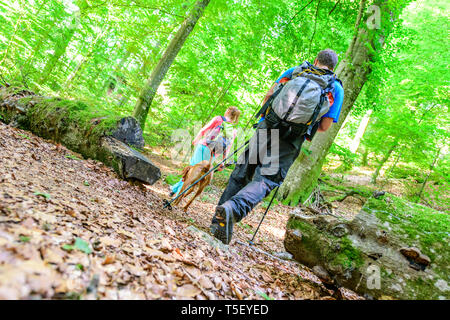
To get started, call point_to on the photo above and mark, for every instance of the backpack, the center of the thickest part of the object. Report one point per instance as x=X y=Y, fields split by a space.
x=297 y=104
x=220 y=143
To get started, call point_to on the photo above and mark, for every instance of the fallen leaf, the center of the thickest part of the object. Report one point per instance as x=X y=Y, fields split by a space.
x=188 y=290
x=109 y=260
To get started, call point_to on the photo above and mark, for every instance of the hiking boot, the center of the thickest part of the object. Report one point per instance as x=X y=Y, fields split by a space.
x=222 y=224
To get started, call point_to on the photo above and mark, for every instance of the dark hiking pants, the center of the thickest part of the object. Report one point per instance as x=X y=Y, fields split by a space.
x=261 y=168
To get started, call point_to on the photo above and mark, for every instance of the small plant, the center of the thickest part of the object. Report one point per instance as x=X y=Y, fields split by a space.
x=71 y=156
x=24 y=136
x=24 y=239
x=42 y=194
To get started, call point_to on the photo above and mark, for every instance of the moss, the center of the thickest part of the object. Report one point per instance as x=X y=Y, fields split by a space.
x=347 y=256
x=423 y=289
x=414 y=222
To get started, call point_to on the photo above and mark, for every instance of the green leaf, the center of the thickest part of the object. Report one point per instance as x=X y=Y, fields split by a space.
x=24 y=239
x=265 y=296
x=68 y=247
x=86 y=183
x=79 y=266
x=24 y=136
x=43 y=194
x=306 y=151
x=71 y=156
x=82 y=245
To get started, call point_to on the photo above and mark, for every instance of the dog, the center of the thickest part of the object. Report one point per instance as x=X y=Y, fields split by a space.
x=191 y=174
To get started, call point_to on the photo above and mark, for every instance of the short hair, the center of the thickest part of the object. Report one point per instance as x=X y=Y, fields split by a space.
x=328 y=58
x=234 y=113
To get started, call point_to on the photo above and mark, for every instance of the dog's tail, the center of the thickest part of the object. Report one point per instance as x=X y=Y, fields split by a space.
x=211 y=158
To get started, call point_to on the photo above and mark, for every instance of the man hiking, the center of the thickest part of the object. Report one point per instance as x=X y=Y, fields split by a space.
x=305 y=99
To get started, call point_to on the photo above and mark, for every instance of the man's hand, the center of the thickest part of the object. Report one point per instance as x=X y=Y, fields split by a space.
x=220 y=168
x=325 y=124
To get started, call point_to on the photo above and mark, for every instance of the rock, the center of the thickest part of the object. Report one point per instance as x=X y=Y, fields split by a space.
x=378 y=194
x=283 y=255
x=129 y=132
x=129 y=163
x=323 y=274
x=391 y=248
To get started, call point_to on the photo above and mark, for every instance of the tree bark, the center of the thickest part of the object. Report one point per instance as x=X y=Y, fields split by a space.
x=353 y=71
x=148 y=92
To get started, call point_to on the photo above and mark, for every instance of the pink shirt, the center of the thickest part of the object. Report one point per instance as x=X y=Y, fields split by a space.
x=211 y=130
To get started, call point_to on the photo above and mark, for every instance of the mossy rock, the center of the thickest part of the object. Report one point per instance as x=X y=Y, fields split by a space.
x=364 y=255
x=90 y=130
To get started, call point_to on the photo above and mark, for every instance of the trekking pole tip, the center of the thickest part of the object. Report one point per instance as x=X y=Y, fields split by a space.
x=167 y=204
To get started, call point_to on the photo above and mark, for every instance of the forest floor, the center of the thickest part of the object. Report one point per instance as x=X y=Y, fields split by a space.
x=71 y=229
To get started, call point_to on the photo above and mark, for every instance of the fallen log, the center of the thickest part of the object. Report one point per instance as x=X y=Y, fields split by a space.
x=94 y=133
x=392 y=248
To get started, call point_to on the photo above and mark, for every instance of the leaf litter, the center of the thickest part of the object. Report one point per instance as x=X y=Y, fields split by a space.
x=74 y=230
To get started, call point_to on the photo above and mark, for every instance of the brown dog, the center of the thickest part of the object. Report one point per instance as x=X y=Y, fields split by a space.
x=190 y=175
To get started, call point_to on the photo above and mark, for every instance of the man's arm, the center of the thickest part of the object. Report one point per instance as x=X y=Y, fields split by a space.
x=325 y=124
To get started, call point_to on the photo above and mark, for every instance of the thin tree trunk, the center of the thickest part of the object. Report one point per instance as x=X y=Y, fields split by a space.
x=148 y=92
x=353 y=71
x=60 y=50
x=382 y=162
x=361 y=130
x=433 y=164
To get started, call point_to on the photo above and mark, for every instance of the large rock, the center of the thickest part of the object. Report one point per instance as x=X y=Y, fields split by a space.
x=82 y=128
x=392 y=248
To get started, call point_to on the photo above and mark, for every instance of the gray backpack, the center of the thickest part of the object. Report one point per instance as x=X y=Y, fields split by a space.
x=303 y=99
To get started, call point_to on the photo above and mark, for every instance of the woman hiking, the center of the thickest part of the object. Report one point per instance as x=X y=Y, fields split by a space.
x=215 y=138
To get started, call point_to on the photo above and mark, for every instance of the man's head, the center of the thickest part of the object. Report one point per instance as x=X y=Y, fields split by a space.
x=233 y=114
x=326 y=59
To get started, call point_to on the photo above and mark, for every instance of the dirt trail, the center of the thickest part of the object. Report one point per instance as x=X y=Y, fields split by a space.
x=69 y=228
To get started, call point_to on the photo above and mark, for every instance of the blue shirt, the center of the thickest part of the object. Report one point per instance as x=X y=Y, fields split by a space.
x=335 y=108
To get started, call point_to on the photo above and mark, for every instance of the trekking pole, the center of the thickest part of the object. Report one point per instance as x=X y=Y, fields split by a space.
x=167 y=204
x=270 y=203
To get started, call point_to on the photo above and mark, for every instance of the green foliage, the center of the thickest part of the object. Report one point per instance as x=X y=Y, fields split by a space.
x=43 y=194
x=171 y=179
x=80 y=245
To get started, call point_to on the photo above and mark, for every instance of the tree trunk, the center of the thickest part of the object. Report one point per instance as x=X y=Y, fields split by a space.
x=82 y=129
x=361 y=129
x=433 y=164
x=148 y=92
x=382 y=162
x=353 y=71
x=60 y=50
